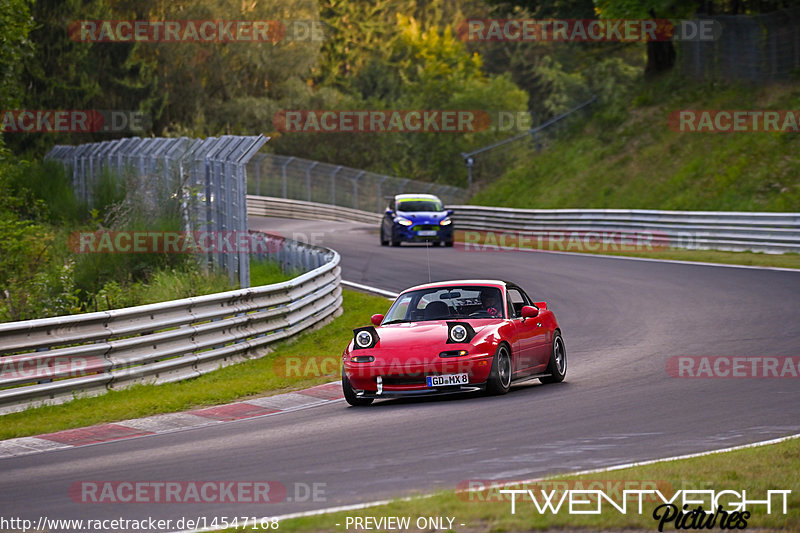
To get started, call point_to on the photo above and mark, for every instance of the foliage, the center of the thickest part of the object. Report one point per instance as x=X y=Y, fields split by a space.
x=41 y=276
x=424 y=68
x=15 y=25
x=62 y=74
x=265 y=272
x=627 y=157
x=163 y=285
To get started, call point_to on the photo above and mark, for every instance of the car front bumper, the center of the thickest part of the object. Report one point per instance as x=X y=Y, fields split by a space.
x=410 y=379
x=412 y=233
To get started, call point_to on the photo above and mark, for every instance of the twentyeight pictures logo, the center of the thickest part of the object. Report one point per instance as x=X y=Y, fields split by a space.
x=685 y=509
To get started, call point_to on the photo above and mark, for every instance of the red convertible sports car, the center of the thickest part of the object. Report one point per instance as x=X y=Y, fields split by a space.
x=452 y=337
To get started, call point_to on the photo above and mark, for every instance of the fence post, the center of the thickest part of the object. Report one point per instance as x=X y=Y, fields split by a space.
x=333 y=184
x=355 y=188
x=380 y=196
x=308 y=180
x=283 y=175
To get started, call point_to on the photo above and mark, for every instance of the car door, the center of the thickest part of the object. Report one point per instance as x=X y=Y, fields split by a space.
x=531 y=334
x=544 y=337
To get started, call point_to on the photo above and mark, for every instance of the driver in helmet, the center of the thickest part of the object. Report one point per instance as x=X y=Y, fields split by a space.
x=490 y=299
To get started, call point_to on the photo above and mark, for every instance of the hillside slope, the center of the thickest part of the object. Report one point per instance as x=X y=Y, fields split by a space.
x=628 y=157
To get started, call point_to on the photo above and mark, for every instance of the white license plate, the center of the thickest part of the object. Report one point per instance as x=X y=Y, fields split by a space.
x=448 y=379
x=427 y=233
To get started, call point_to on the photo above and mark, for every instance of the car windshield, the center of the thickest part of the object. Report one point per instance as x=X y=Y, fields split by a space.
x=445 y=303
x=409 y=206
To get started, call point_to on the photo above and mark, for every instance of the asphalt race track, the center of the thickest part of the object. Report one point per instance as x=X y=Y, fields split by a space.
x=621 y=319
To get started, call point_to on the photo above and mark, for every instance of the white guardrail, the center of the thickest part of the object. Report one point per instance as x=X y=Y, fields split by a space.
x=267 y=206
x=52 y=360
x=699 y=230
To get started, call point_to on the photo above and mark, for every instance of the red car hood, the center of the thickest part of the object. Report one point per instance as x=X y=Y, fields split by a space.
x=423 y=334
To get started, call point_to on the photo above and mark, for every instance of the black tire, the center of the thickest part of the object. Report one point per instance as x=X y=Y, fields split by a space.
x=449 y=243
x=557 y=367
x=350 y=394
x=437 y=243
x=500 y=376
x=384 y=242
x=395 y=242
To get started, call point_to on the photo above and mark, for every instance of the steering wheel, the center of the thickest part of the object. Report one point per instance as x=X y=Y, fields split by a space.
x=491 y=312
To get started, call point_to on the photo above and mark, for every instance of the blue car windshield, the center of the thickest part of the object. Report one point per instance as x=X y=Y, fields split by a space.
x=410 y=206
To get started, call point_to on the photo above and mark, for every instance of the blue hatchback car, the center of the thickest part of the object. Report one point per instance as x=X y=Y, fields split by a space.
x=416 y=218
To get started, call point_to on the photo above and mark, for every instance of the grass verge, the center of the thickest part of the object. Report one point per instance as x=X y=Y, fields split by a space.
x=756 y=470
x=788 y=260
x=309 y=359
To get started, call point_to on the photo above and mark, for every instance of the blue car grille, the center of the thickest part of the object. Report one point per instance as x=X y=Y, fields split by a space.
x=423 y=227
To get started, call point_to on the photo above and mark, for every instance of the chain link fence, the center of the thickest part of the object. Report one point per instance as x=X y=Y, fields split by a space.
x=302 y=179
x=207 y=175
x=758 y=48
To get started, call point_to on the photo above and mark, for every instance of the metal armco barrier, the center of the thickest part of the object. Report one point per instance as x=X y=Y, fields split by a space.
x=280 y=207
x=52 y=360
x=700 y=230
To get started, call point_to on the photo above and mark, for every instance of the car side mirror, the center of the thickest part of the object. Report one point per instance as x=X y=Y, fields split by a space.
x=449 y=212
x=376 y=319
x=389 y=212
x=529 y=312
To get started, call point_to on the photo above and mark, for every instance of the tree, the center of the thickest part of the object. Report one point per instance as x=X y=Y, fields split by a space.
x=660 y=54
x=15 y=25
x=61 y=73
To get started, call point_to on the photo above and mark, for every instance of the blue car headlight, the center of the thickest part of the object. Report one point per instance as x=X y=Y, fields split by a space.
x=446 y=222
x=403 y=221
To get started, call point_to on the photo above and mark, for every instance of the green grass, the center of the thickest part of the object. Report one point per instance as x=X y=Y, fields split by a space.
x=714 y=256
x=311 y=358
x=267 y=272
x=756 y=470
x=788 y=260
x=629 y=157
